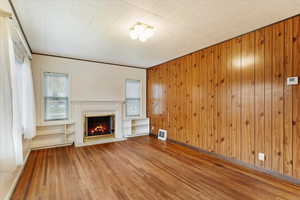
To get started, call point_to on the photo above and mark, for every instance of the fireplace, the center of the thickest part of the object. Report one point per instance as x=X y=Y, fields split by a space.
x=97 y=127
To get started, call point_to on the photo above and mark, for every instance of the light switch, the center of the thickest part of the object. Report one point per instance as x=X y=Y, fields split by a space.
x=261 y=156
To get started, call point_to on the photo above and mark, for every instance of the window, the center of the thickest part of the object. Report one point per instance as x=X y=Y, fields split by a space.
x=133 y=99
x=56 y=96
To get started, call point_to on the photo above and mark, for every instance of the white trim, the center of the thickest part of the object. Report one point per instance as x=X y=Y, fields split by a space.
x=102 y=141
x=43 y=122
x=141 y=100
x=139 y=135
x=55 y=123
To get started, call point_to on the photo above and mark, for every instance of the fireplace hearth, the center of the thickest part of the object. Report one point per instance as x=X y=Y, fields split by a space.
x=97 y=127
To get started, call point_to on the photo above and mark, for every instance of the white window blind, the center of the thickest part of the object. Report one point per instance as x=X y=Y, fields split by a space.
x=56 y=96
x=133 y=98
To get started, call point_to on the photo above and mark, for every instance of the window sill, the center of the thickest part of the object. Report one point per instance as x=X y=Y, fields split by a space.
x=135 y=118
x=55 y=123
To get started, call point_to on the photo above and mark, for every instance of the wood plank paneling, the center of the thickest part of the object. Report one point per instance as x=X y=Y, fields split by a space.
x=288 y=100
x=277 y=97
x=157 y=98
x=268 y=96
x=247 y=102
x=182 y=100
x=196 y=120
x=164 y=117
x=211 y=100
x=221 y=99
x=296 y=98
x=236 y=97
x=172 y=101
x=259 y=95
x=216 y=100
x=232 y=98
x=203 y=101
x=188 y=63
x=228 y=133
x=150 y=75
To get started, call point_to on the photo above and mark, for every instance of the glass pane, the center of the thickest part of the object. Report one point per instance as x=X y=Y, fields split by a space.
x=132 y=89
x=133 y=107
x=56 y=108
x=56 y=84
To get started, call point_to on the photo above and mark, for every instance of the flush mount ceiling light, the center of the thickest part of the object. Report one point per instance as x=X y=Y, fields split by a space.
x=141 y=31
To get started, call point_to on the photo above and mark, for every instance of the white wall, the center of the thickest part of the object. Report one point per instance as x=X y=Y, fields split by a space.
x=4 y=5
x=89 y=81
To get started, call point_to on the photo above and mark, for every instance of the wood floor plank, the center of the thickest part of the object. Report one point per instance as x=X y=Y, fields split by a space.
x=142 y=168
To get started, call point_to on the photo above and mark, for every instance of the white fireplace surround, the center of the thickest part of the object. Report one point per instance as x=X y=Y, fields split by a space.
x=81 y=108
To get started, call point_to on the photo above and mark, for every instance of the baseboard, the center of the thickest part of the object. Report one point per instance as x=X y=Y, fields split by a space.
x=274 y=174
x=103 y=141
x=16 y=179
x=132 y=136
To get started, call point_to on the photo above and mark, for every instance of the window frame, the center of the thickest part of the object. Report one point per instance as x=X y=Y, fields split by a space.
x=62 y=120
x=140 y=99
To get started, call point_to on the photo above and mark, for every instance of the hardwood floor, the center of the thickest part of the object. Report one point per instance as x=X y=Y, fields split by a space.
x=142 y=168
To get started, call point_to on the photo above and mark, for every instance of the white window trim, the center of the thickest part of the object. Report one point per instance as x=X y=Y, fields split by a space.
x=54 y=122
x=141 y=99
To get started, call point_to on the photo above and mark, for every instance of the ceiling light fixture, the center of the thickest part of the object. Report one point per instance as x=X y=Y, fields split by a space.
x=141 y=31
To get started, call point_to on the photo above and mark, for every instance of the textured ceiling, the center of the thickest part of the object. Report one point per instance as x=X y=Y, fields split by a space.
x=98 y=29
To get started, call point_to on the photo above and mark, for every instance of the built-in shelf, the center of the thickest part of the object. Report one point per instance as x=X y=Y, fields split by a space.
x=136 y=127
x=53 y=134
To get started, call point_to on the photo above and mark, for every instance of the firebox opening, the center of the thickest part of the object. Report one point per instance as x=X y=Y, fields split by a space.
x=99 y=126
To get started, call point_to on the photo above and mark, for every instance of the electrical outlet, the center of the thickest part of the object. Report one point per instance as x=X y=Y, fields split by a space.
x=261 y=156
x=292 y=80
x=152 y=127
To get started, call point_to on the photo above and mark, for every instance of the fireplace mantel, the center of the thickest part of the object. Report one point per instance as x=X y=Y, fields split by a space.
x=100 y=106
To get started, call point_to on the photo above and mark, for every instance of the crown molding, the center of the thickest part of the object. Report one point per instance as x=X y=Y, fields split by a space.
x=87 y=60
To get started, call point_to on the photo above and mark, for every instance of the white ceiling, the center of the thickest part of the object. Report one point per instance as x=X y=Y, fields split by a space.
x=98 y=29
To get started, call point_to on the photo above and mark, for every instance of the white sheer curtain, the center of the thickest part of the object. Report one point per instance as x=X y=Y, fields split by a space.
x=7 y=150
x=29 y=115
x=16 y=83
x=17 y=107
x=16 y=80
x=23 y=95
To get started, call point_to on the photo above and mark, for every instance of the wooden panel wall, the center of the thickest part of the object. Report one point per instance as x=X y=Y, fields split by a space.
x=232 y=98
